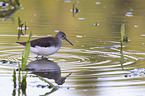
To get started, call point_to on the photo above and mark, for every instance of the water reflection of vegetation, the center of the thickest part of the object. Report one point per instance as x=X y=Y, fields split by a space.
x=22 y=75
x=8 y=62
x=75 y=10
x=14 y=81
x=54 y=88
x=20 y=28
x=122 y=35
x=22 y=84
x=53 y=71
x=123 y=39
x=41 y=68
x=25 y=55
x=8 y=7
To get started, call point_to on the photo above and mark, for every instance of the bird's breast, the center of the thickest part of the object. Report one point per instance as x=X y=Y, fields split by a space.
x=44 y=50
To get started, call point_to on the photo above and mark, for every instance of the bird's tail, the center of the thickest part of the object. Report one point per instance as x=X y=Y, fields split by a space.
x=22 y=43
x=19 y=42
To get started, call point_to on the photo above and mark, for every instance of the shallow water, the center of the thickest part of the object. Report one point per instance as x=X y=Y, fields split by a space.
x=94 y=60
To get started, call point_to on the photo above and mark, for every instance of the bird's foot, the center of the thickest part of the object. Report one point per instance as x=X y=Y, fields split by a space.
x=41 y=58
x=44 y=58
x=38 y=58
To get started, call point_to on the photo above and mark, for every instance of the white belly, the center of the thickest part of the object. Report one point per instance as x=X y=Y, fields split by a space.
x=44 y=50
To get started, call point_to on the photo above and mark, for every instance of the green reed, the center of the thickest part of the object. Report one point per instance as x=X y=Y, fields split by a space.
x=21 y=75
x=20 y=25
x=13 y=2
x=14 y=80
x=25 y=56
x=122 y=32
x=75 y=10
x=121 y=51
x=25 y=53
x=17 y=2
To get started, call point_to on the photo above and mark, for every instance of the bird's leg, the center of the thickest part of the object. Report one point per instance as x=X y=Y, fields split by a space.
x=37 y=56
x=42 y=57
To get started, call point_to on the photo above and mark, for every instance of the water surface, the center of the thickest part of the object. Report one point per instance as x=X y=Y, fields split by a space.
x=94 y=60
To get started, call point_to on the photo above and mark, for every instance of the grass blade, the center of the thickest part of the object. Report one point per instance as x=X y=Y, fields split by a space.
x=48 y=82
x=30 y=35
x=122 y=31
x=14 y=78
x=24 y=84
x=19 y=22
x=26 y=53
x=121 y=51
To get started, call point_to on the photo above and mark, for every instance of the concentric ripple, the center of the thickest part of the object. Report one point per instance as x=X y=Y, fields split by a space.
x=94 y=68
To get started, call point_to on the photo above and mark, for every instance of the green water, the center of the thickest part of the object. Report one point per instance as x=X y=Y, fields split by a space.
x=94 y=58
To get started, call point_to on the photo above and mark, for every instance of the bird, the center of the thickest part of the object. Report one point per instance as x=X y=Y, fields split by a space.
x=47 y=69
x=48 y=45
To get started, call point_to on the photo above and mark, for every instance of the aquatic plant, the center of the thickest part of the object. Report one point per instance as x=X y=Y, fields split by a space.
x=14 y=81
x=7 y=8
x=122 y=32
x=14 y=78
x=22 y=76
x=17 y=2
x=121 y=52
x=26 y=53
x=75 y=10
x=48 y=82
x=20 y=27
x=25 y=27
x=12 y=2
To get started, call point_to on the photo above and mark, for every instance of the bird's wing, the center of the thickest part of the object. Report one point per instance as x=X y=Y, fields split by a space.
x=43 y=42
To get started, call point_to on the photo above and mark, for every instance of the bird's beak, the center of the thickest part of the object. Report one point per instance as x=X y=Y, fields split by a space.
x=68 y=41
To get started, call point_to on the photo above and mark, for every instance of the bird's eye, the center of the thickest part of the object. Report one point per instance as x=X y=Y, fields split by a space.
x=63 y=36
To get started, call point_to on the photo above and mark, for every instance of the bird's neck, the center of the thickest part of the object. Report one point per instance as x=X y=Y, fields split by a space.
x=59 y=40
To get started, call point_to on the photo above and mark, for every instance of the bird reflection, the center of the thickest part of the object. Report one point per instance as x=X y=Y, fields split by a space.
x=48 y=69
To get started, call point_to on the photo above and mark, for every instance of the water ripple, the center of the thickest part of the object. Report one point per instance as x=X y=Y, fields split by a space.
x=92 y=65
